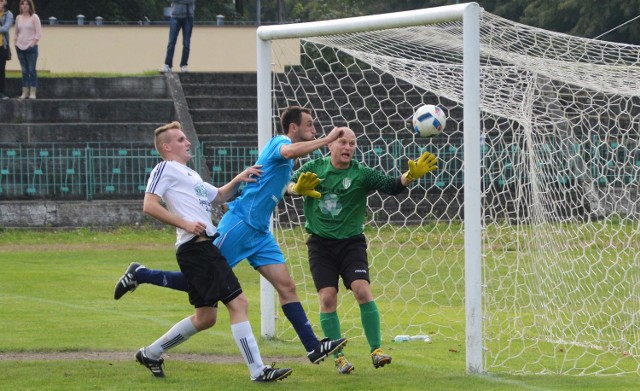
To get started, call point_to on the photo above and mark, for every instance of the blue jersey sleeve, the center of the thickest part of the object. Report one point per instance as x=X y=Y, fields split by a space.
x=258 y=199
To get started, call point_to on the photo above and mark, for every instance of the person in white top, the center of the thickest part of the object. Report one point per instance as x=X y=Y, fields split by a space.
x=27 y=36
x=210 y=278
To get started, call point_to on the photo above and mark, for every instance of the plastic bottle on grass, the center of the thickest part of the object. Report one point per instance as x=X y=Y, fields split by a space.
x=407 y=338
x=421 y=337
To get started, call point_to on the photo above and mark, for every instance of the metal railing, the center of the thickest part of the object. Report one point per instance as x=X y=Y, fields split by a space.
x=120 y=170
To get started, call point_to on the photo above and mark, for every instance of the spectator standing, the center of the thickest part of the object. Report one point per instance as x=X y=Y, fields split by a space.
x=27 y=37
x=6 y=21
x=181 y=18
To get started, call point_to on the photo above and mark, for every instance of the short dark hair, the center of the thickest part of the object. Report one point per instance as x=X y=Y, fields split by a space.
x=292 y=115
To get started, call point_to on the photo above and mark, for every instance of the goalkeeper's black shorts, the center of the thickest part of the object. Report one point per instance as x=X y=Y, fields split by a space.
x=210 y=277
x=330 y=259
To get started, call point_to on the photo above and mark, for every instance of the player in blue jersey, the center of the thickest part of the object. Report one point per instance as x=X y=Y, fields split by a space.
x=244 y=229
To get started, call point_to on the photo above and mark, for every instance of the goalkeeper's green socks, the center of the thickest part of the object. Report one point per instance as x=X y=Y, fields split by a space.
x=370 y=318
x=330 y=324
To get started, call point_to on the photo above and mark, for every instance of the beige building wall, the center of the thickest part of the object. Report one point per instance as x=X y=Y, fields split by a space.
x=136 y=49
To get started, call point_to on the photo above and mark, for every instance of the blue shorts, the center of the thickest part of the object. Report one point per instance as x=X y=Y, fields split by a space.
x=239 y=241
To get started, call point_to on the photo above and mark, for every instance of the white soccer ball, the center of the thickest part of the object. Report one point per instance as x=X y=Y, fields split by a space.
x=429 y=120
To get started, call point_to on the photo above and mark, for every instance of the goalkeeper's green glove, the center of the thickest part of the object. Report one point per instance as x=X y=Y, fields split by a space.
x=306 y=185
x=427 y=162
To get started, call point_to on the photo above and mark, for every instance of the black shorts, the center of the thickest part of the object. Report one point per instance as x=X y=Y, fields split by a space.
x=330 y=259
x=210 y=277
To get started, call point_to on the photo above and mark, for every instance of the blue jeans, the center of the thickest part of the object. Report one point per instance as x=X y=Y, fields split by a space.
x=28 y=59
x=3 y=67
x=175 y=25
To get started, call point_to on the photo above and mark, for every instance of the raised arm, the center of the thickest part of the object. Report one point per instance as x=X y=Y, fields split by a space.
x=302 y=148
x=426 y=163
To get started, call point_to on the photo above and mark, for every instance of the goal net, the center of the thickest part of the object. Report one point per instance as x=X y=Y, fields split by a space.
x=560 y=177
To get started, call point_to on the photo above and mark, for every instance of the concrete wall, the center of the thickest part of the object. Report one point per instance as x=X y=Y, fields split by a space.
x=136 y=49
x=64 y=214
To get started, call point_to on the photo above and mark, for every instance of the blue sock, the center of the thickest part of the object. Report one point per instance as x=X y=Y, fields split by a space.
x=173 y=280
x=295 y=313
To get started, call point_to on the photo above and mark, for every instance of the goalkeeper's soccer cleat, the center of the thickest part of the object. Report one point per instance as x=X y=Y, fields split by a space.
x=155 y=366
x=326 y=348
x=379 y=358
x=128 y=282
x=269 y=374
x=343 y=366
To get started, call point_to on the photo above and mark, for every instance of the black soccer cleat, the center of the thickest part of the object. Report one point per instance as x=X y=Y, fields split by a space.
x=326 y=348
x=270 y=374
x=128 y=282
x=155 y=366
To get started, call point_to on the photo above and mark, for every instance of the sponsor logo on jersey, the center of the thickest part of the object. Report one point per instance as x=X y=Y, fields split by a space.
x=200 y=191
x=329 y=204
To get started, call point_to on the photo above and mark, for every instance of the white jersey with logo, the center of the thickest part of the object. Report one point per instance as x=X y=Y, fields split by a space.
x=185 y=195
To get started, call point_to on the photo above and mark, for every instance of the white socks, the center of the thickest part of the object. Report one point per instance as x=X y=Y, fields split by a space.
x=248 y=346
x=179 y=333
x=242 y=334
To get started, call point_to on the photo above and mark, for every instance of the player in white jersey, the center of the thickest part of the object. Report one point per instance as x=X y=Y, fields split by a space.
x=210 y=278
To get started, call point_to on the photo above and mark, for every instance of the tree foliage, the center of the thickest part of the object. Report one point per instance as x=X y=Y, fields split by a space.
x=584 y=18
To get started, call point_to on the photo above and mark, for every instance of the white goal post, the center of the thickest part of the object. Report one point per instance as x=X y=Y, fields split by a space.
x=470 y=15
x=523 y=248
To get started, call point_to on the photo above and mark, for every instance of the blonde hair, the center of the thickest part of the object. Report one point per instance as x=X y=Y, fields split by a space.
x=159 y=132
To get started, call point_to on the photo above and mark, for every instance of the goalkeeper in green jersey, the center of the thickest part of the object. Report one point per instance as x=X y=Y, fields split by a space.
x=335 y=190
